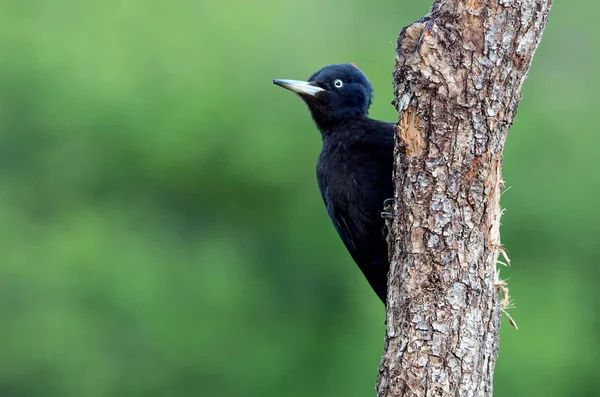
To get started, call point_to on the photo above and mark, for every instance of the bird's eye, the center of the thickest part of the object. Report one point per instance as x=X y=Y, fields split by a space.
x=338 y=83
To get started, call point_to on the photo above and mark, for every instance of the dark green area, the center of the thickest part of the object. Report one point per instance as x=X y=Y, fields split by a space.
x=162 y=232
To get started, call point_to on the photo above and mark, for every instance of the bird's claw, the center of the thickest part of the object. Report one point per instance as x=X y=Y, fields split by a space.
x=387 y=216
x=388 y=205
x=388 y=210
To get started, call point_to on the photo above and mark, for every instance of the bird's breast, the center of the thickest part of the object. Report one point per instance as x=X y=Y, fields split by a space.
x=342 y=175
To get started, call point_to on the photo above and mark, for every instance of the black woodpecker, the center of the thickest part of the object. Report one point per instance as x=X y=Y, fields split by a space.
x=354 y=169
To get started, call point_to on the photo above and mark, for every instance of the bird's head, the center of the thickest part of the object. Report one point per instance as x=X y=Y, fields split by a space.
x=334 y=93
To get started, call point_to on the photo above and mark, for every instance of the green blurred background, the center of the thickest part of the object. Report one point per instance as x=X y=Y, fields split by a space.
x=162 y=231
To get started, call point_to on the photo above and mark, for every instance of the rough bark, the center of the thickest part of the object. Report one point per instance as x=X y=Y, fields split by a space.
x=458 y=78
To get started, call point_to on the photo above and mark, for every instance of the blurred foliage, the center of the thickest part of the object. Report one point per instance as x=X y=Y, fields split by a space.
x=162 y=230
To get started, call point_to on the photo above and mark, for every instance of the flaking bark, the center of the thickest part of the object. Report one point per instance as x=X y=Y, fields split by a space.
x=458 y=78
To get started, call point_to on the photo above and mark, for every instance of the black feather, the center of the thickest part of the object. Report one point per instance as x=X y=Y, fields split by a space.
x=354 y=169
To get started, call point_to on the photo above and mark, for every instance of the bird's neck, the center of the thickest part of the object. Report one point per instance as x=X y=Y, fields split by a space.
x=329 y=123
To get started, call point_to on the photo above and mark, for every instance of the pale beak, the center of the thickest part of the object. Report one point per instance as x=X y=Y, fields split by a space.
x=299 y=87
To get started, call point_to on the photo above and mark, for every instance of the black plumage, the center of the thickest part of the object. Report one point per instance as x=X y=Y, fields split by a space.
x=354 y=169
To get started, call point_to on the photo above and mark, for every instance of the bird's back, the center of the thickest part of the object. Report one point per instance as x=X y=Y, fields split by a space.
x=354 y=173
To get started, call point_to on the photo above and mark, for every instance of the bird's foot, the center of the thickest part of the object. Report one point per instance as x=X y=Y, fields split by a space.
x=388 y=216
x=388 y=210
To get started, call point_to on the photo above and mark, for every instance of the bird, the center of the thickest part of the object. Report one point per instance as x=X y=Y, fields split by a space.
x=355 y=166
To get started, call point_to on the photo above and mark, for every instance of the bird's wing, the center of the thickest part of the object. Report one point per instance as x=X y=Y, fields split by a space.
x=368 y=251
x=349 y=233
x=344 y=230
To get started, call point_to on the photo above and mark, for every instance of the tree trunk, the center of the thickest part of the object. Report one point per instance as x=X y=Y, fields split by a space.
x=458 y=78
